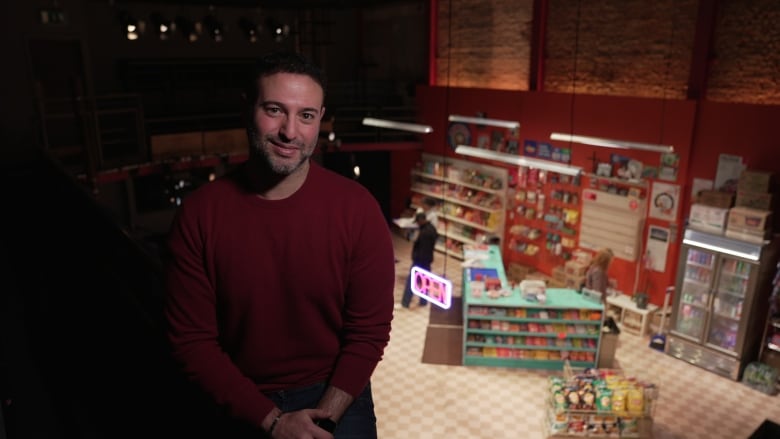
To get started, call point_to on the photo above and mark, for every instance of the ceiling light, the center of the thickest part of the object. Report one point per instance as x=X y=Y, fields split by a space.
x=611 y=143
x=190 y=31
x=131 y=27
x=250 y=29
x=161 y=25
x=279 y=31
x=512 y=125
x=546 y=165
x=214 y=27
x=403 y=126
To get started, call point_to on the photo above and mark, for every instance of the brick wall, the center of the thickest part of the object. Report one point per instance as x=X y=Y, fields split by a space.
x=486 y=45
x=616 y=47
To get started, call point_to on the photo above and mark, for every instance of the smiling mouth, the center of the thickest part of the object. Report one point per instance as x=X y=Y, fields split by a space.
x=283 y=149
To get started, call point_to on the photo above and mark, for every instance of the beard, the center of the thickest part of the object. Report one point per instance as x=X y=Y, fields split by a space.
x=260 y=150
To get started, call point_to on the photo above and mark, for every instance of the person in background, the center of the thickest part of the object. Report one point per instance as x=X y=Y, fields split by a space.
x=429 y=209
x=596 y=277
x=281 y=276
x=422 y=254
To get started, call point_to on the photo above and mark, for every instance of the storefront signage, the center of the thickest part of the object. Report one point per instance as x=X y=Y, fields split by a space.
x=431 y=287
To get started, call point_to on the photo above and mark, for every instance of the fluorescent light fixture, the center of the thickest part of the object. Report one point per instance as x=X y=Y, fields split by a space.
x=518 y=160
x=722 y=244
x=403 y=126
x=611 y=143
x=485 y=121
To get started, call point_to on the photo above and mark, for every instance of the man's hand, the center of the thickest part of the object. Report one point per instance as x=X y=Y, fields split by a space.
x=300 y=425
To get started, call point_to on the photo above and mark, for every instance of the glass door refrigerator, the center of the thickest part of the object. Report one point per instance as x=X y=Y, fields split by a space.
x=723 y=285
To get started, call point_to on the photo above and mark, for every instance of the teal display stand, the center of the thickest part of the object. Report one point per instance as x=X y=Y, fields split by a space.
x=508 y=330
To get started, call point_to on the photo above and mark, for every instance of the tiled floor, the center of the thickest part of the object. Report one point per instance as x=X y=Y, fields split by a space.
x=422 y=401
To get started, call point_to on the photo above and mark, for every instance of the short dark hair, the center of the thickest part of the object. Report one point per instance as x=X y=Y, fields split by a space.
x=420 y=217
x=283 y=62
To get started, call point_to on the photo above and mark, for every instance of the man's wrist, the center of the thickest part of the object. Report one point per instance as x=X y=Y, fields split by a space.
x=271 y=419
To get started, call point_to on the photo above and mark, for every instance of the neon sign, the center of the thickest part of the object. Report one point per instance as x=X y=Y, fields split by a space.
x=431 y=287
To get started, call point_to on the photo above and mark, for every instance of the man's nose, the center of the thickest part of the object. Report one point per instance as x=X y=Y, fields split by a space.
x=288 y=129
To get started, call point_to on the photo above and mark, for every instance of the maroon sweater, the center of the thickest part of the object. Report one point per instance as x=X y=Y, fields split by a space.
x=268 y=295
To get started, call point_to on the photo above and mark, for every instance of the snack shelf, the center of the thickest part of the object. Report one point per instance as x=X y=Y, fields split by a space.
x=471 y=196
x=599 y=403
x=506 y=328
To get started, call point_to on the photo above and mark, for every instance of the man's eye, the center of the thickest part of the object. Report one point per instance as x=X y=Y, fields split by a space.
x=272 y=110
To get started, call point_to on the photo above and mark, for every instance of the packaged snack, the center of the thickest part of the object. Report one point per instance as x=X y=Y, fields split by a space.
x=619 y=400
x=577 y=424
x=629 y=427
x=604 y=399
x=573 y=398
x=611 y=427
x=635 y=400
x=559 y=400
x=596 y=425
x=559 y=422
x=588 y=400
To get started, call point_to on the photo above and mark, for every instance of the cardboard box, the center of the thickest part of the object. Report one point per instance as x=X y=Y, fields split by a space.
x=746 y=224
x=715 y=199
x=559 y=274
x=516 y=272
x=749 y=220
x=582 y=256
x=708 y=219
x=746 y=235
x=755 y=200
x=575 y=269
x=756 y=181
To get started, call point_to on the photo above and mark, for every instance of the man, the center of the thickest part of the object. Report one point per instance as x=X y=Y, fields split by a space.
x=280 y=284
x=422 y=254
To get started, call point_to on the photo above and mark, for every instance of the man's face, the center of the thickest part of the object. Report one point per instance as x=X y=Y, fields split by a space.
x=286 y=120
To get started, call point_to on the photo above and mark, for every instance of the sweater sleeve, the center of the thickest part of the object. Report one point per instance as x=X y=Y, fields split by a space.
x=368 y=302
x=192 y=324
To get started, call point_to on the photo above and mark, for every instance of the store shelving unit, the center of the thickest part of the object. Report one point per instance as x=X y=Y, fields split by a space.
x=769 y=353
x=471 y=200
x=504 y=329
x=543 y=216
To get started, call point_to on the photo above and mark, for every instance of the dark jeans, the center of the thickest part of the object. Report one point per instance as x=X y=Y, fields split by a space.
x=407 y=297
x=358 y=422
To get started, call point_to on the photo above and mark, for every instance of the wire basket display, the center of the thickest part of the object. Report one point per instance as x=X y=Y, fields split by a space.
x=600 y=403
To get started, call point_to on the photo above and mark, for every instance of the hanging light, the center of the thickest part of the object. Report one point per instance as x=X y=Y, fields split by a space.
x=512 y=125
x=279 y=31
x=161 y=25
x=250 y=29
x=131 y=27
x=611 y=143
x=189 y=30
x=214 y=27
x=545 y=165
x=403 y=126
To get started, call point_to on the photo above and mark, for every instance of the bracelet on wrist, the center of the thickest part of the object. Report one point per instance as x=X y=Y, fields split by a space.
x=273 y=424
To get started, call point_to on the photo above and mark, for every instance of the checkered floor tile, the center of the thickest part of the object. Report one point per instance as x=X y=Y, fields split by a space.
x=415 y=400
